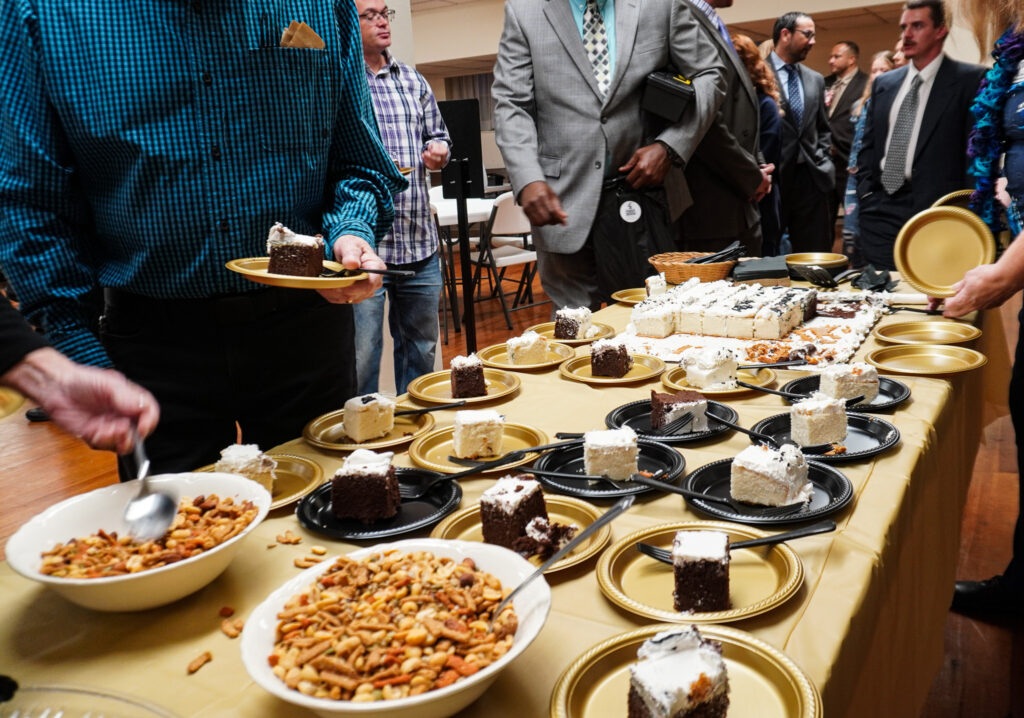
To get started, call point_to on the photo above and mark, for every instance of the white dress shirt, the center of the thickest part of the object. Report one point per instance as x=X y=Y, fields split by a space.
x=923 y=92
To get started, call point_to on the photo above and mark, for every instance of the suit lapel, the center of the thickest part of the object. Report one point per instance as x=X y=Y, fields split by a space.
x=937 y=99
x=559 y=14
x=849 y=96
x=727 y=51
x=810 y=102
x=885 y=95
x=627 y=18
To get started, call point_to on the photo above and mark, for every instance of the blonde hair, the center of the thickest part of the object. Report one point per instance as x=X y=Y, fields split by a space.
x=883 y=55
x=990 y=18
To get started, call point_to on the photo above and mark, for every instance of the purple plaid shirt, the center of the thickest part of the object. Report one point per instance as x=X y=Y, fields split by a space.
x=408 y=118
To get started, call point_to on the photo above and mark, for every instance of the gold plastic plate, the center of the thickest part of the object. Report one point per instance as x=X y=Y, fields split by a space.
x=926 y=359
x=675 y=379
x=644 y=368
x=464 y=525
x=763 y=681
x=432 y=450
x=760 y=579
x=328 y=431
x=255 y=269
x=437 y=387
x=937 y=247
x=927 y=332
x=960 y=198
x=295 y=476
x=497 y=356
x=630 y=296
x=826 y=260
x=10 y=400
x=547 y=329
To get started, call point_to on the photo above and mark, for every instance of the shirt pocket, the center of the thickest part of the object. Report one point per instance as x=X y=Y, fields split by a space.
x=291 y=98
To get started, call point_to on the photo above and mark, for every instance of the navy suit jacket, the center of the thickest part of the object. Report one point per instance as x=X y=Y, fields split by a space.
x=940 y=157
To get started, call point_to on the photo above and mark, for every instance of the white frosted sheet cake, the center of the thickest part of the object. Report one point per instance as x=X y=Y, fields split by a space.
x=678 y=671
x=368 y=417
x=819 y=419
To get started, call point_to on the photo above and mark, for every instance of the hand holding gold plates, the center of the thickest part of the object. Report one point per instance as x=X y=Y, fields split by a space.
x=464 y=525
x=763 y=681
x=675 y=379
x=644 y=368
x=328 y=431
x=936 y=331
x=437 y=387
x=926 y=359
x=432 y=450
x=937 y=247
x=497 y=356
x=758 y=581
x=547 y=330
x=255 y=269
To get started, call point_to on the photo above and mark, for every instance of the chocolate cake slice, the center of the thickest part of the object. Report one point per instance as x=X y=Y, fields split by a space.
x=508 y=507
x=666 y=408
x=700 y=561
x=609 y=357
x=365 y=488
x=294 y=254
x=467 y=376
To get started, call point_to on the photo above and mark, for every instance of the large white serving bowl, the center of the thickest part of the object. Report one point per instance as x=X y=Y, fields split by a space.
x=83 y=515
x=531 y=605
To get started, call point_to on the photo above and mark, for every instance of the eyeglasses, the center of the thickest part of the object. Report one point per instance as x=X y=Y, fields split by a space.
x=809 y=34
x=374 y=15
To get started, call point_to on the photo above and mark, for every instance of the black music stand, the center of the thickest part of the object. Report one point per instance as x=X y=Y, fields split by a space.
x=463 y=177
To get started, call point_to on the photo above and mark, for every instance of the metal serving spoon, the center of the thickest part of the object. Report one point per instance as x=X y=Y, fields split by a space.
x=151 y=512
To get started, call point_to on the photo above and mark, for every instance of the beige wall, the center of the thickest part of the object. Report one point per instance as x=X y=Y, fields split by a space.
x=472 y=30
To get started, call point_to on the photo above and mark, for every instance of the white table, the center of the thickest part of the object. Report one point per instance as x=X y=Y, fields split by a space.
x=478 y=210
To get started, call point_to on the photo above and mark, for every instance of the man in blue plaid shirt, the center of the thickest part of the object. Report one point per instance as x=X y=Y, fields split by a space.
x=415 y=135
x=143 y=146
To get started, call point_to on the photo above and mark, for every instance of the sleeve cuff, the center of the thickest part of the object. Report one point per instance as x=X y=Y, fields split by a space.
x=81 y=346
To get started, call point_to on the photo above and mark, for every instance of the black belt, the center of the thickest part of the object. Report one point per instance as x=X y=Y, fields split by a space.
x=234 y=308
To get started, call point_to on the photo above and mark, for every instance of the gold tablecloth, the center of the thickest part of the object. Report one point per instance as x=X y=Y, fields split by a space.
x=866 y=626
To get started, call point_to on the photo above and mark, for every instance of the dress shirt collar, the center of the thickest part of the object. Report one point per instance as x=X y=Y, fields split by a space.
x=602 y=5
x=928 y=73
x=390 y=65
x=705 y=8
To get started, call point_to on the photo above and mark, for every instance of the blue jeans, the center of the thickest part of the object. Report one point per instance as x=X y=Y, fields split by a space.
x=413 y=320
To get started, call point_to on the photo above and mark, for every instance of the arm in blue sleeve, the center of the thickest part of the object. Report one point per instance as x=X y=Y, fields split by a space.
x=43 y=217
x=361 y=175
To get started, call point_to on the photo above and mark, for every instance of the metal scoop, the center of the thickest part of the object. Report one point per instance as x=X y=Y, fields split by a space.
x=151 y=512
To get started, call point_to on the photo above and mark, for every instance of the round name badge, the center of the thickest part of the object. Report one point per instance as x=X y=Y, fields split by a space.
x=630 y=211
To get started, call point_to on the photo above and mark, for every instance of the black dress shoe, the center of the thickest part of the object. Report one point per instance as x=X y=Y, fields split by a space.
x=994 y=596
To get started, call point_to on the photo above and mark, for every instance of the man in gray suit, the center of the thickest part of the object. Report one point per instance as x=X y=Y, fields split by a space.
x=807 y=178
x=725 y=175
x=567 y=84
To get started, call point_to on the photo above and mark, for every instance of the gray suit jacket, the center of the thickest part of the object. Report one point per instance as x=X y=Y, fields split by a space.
x=551 y=124
x=725 y=170
x=813 y=139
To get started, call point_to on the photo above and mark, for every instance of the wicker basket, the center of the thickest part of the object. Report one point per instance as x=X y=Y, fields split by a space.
x=673 y=264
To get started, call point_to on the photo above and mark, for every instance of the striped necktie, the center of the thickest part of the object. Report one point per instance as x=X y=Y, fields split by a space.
x=894 y=174
x=595 y=42
x=796 y=99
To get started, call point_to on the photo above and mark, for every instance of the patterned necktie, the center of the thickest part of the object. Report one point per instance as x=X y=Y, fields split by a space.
x=894 y=174
x=595 y=42
x=796 y=99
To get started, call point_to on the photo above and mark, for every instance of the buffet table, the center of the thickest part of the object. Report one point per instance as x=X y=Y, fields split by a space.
x=866 y=626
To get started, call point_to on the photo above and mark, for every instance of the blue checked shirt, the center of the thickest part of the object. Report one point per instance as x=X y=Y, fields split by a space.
x=145 y=144
x=409 y=120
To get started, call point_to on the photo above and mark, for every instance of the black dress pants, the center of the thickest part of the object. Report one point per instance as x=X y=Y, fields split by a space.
x=271 y=360
x=805 y=211
x=881 y=218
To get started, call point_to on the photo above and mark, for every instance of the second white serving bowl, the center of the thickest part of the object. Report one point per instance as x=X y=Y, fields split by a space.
x=531 y=605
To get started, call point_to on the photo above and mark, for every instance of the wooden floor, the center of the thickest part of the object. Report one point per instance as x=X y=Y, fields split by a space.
x=983 y=674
